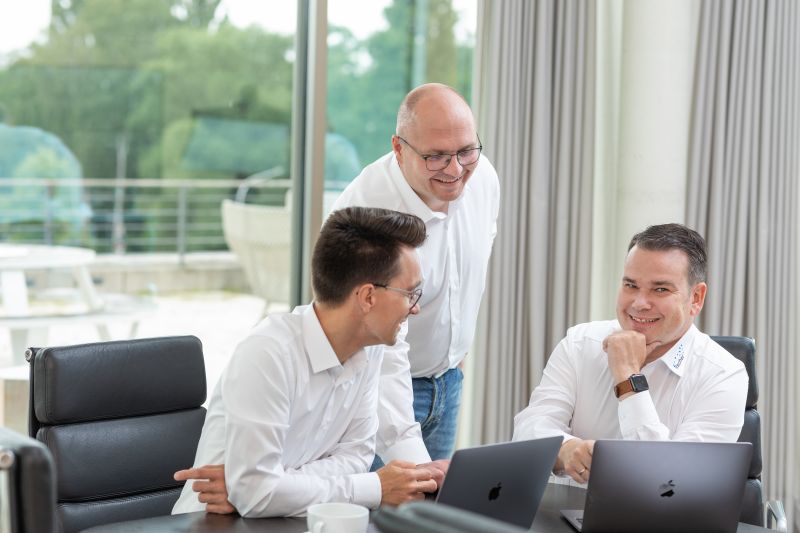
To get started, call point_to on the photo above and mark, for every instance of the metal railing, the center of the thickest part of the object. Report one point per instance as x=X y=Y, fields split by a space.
x=124 y=216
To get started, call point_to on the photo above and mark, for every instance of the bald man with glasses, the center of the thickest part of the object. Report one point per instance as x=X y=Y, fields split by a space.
x=436 y=172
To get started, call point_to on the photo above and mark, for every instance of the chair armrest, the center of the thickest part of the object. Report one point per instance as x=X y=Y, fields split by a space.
x=776 y=515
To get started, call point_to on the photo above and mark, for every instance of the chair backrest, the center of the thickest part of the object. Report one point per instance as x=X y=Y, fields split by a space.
x=27 y=485
x=744 y=349
x=119 y=418
x=260 y=236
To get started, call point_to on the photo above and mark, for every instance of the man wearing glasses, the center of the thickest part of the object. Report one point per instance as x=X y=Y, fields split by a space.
x=294 y=415
x=436 y=172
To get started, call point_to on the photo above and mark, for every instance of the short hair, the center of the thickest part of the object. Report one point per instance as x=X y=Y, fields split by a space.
x=664 y=237
x=360 y=245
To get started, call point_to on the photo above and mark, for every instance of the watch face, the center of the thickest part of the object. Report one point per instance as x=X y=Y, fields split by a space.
x=639 y=383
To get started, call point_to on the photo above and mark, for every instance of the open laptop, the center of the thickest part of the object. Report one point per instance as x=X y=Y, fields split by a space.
x=664 y=486
x=503 y=481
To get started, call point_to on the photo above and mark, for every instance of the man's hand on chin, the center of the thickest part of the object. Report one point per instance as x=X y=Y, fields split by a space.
x=626 y=352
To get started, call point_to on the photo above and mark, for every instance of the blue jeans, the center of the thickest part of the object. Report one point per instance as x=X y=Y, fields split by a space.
x=436 y=404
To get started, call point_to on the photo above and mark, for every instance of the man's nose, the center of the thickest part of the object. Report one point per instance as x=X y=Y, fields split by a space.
x=641 y=301
x=454 y=168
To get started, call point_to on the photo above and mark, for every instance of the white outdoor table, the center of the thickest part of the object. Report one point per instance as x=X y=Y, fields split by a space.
x=17 y=316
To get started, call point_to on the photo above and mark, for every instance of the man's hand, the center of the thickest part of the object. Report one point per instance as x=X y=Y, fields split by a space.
x=438 y=470
x=210 y=487
x=575 y=459
x=626 y=352
x=402 y=481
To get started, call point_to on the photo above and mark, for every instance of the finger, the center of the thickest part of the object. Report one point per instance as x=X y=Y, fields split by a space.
x=205 y=497
x=422 y=474
x=220 y=508
x=183 y=475
x=427 y=486
x=204 y=472
x=207 y=486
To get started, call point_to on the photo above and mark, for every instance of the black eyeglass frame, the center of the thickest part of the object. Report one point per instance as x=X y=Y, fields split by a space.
x=449 y=156
x=413 y=296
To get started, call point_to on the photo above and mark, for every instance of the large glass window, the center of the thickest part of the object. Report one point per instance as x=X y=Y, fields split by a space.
x=107 y=102
x=377 y=51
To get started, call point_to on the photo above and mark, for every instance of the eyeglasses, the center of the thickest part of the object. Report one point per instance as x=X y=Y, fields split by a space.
x=434 y=162
x=413 y=296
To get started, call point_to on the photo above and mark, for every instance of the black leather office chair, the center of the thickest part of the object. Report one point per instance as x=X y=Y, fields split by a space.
x=119 y=418
x=744 y=349
x=27 y=485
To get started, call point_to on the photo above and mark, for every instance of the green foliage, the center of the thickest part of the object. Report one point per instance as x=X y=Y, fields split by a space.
x=362 y=103
x=163 y=89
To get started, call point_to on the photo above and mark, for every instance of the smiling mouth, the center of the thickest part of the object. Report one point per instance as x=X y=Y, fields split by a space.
x=645 y=321
x=449 y=181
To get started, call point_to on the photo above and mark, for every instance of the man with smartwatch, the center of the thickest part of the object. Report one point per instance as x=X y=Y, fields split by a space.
x=650 y=374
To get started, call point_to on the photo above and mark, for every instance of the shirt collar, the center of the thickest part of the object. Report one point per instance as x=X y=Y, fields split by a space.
x=675 y=358
x=318 y=349
x=415 y=204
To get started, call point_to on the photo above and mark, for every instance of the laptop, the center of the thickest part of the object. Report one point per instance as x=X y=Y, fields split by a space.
x=503 y=481
x=664 y=486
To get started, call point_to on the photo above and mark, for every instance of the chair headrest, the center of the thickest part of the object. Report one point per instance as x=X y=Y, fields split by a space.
x=743 y=349
x=118 y=378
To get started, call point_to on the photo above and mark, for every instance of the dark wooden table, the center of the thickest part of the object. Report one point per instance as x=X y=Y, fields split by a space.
x=548 y=519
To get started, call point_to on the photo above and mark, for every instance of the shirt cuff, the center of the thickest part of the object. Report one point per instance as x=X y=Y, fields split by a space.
x=367 y=489
x=636 y=411
x=412 y=450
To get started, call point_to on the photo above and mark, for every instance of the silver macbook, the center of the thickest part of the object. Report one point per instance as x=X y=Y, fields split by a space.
x=504 y=481
x=663 y=487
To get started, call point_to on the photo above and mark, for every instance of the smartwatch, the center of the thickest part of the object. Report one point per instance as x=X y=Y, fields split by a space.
x=635 y=383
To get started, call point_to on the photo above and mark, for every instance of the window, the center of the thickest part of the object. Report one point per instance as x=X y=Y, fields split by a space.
x=378 y=50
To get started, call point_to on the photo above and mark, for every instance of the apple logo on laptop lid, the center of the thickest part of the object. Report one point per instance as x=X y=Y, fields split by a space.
x=494 y=492
x=667 y=490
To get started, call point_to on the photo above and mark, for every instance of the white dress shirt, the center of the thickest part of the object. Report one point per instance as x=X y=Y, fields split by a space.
x=292 y=425
x=697 y=393
x=454 y=261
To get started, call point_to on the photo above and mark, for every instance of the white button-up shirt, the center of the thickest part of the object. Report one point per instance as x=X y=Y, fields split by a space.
x=697 y=393
x=292 y=425
x=454 y=261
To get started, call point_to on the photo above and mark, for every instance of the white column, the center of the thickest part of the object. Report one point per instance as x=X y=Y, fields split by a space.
x=657 y=71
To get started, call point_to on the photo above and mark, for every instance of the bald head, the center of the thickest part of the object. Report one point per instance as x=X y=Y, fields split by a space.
x=433 y=105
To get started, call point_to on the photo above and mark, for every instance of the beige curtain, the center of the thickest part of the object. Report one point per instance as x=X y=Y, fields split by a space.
x=535 y=89
x=743 y=196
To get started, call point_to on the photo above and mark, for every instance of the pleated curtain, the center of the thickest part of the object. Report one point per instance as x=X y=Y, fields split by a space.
x=535 y=89
x=742 y=194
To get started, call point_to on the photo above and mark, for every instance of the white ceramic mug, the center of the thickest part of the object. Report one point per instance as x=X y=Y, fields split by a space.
x=337 y=518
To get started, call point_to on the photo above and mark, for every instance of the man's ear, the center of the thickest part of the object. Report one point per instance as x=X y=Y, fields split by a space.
x=397 y=148
x=698 y=297
x=366 y=297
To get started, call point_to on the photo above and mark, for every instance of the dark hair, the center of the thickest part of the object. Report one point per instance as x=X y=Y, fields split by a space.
x=676 y=237
x=360 y=245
